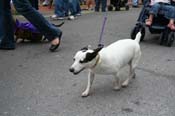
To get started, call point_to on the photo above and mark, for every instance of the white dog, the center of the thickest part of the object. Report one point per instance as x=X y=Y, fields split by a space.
x=108 y=60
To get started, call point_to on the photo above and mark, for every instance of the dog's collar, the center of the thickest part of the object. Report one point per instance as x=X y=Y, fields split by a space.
x=97 y=61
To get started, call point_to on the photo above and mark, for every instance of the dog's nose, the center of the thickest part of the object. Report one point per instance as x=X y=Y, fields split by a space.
x=71 y=70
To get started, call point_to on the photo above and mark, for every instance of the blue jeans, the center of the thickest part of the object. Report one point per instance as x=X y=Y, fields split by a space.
x=6 y=25
x=103 y=3
x=167 y=10
x=78 y=7
x=74 y=7
x=61 y=7
x=135 y=2
x=37 y=19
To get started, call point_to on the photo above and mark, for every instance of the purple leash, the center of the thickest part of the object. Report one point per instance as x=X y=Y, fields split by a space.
x=101 y=34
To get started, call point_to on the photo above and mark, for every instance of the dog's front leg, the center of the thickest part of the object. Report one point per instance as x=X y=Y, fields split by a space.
x=90 y=81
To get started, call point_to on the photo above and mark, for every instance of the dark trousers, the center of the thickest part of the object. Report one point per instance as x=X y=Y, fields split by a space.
x=34 y=4
x=103 y=4
x=6 y=25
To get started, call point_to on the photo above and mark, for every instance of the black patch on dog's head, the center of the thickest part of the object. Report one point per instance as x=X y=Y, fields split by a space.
x=90 y=56
x=84 y=49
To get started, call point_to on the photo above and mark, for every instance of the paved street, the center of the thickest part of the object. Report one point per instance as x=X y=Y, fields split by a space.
x=35 y=82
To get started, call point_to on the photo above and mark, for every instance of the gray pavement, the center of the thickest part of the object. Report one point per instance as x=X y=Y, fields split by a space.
x=35 y=82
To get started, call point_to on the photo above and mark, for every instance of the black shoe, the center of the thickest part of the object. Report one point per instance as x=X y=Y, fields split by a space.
x=54 y=47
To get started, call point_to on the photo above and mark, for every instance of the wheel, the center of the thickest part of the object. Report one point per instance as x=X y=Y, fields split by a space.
x=170 y=39
x=117 y=8
x=143 y=34
x=110 y=8
x=127 y=7
x=164 y=37
x=135 y=30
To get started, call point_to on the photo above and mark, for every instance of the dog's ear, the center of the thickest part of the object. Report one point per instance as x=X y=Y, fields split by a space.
x=86 y=48
x=91 y=56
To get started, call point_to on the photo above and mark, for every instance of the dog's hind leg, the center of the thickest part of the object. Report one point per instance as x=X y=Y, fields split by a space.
x=90 y=81
x=117 y=84
x=134 y=63
x=131 y=75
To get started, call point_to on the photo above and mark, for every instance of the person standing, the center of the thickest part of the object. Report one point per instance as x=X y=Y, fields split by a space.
x=61 y=9
x=6 y=26
x=103 y=3
x=75 y=9
x=24 y=7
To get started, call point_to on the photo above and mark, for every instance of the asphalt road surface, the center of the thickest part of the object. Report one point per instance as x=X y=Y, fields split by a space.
x=35 y=82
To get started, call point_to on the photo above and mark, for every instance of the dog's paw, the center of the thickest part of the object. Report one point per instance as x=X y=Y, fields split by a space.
x=85 y=94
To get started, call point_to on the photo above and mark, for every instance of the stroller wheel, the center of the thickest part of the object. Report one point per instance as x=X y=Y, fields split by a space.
x=162 y=38
x=117 y=8
x=135 y=30
x=170 y=39
x=110 y=8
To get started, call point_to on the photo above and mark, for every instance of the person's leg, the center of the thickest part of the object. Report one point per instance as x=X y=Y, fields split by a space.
x=97 y=5
x=52 y=33
x=149 y=20
x=153 y=12
x=72 y=7
x=66 y=7
x=59 y=8
x=104 y=3
x=88 y=4
x=34 y=3
x=78 y=12
x=169 y=14
x=135 y=3
x=6 y=26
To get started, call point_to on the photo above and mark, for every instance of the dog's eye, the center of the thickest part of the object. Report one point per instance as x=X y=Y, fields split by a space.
x=73 y=59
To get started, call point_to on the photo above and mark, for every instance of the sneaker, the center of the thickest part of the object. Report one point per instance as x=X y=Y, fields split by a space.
x=55 y=17
x=71 y=17
x=78 y=14
x=45 y=3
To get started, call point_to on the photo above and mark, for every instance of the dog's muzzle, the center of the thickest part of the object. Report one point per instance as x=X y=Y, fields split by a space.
x=72 y=70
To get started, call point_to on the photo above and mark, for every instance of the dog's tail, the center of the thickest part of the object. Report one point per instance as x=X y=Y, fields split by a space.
x=138 y=37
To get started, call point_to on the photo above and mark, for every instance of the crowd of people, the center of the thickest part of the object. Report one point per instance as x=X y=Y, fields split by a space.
x=29 y=9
